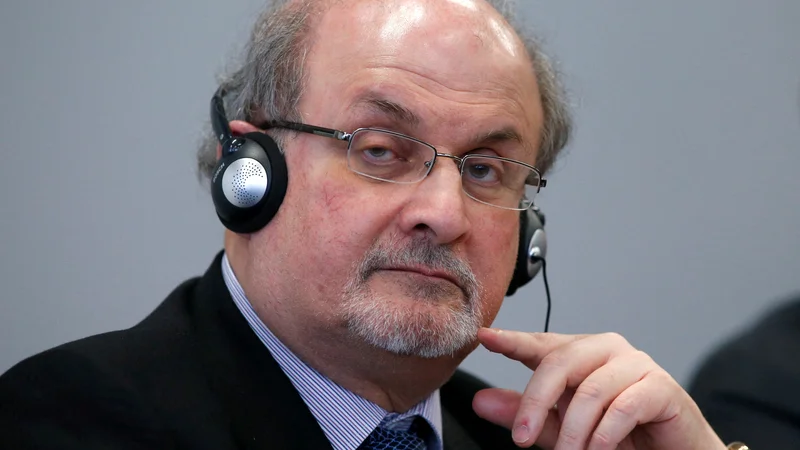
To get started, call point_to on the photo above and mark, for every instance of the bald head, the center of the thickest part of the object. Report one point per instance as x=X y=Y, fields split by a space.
x=438 y=20
x=456 y=32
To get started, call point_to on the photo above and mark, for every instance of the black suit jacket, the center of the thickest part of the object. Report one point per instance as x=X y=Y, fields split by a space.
x=192 y=375
x=749 y=388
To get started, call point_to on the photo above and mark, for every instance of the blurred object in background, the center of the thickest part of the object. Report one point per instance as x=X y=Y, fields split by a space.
x=749 y=387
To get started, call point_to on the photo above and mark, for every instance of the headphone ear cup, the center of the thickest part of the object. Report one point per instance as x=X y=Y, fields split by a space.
x=532 y=237
x=248 y=185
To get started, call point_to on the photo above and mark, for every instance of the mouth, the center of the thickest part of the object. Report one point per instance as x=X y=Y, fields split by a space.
x=425 y=271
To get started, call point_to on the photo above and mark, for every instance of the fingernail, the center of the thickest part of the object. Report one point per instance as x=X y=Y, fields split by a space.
x=521 y=434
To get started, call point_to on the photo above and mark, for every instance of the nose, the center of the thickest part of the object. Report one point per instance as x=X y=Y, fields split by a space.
x=437 y=206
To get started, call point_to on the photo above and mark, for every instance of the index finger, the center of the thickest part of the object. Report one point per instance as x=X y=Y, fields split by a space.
x=527 y=348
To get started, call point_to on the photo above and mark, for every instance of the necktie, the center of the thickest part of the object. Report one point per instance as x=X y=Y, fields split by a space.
x=383 y=438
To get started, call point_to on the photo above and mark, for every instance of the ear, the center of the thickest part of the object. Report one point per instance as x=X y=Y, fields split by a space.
x=238 y=128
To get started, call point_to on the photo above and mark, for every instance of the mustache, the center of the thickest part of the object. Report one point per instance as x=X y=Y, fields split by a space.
x=421 y=251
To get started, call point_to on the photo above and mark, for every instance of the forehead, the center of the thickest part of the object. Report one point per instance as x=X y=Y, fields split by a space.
x=454 y=62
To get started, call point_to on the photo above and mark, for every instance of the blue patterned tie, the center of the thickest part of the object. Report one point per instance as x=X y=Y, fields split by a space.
x=383 y=438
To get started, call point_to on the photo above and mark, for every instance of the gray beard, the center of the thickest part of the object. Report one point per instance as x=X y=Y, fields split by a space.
x=409 y=331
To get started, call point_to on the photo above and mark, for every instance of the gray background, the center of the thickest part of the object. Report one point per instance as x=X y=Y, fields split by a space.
x=673 y=219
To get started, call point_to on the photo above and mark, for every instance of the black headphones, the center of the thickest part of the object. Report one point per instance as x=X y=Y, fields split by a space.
x=250 y=179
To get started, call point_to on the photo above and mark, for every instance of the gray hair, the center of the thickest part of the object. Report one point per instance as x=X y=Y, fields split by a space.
x=268 y=82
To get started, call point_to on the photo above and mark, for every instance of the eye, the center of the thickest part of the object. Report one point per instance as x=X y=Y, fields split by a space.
x=379 y=148
x=387 y=156
x=482 y=171
x=378 y=154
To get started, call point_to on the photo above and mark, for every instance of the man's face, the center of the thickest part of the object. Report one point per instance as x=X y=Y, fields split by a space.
x=411 y=268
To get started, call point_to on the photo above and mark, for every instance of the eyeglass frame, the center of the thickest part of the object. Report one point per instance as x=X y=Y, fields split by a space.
x=346 y=137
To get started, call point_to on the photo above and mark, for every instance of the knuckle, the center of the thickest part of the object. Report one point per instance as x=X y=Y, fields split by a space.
x=534 y=401
x=626 y=406
x=514 y=349
x=570 y=436
x=615 y=338
x=641 y=355
x=602 y=440
x=590 y=391
x=553 y=360
x=542 y=339
x=662 y=378
x=522 y=345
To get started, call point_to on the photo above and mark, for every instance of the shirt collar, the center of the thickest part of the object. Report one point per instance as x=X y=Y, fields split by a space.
x=345 y=418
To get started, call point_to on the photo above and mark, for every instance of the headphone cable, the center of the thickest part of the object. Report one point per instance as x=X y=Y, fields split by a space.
x=547 y=292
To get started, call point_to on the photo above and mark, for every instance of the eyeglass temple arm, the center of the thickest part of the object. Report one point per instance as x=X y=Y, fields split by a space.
x=319 y=131
x=542 y=183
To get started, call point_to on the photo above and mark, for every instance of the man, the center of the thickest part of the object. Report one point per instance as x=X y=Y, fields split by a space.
x=341 y=308
x=748 y=386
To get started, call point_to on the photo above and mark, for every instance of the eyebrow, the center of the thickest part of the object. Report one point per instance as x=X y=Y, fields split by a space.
x=389 y=108
x=498 y=136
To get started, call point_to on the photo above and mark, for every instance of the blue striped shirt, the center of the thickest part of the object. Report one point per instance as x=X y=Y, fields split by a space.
x=345 y=418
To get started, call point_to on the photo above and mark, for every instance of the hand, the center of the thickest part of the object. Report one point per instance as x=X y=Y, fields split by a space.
x=591 y=392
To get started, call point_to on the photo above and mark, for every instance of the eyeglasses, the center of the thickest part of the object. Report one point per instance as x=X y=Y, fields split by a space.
x=396 y=158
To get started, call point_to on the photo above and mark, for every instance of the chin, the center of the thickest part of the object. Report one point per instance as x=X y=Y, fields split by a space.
x=413 y=326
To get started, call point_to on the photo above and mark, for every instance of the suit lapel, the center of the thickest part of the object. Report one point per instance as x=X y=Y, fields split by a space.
x=263 y=408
